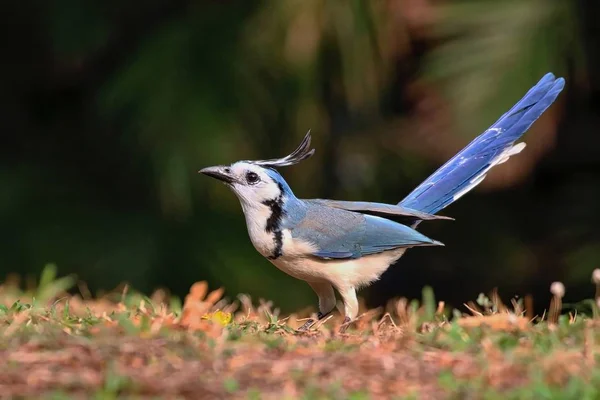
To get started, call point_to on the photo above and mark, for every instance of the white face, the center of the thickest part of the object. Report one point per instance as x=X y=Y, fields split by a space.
x=260 y=193
x=252 y=184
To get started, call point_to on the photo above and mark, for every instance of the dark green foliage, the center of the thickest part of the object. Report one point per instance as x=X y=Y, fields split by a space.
x=111 y=107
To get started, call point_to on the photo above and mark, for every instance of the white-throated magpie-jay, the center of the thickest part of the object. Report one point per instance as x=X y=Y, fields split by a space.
x=344 y=245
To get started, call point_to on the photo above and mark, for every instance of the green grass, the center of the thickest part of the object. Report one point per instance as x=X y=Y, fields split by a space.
x=127 y=345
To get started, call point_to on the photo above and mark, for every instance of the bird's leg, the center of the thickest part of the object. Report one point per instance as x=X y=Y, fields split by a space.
x=350 y=306
x=326 y=302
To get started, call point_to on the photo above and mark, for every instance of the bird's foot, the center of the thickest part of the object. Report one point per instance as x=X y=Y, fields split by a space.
x=306 y=326
x=345 y=325
x=310 y=322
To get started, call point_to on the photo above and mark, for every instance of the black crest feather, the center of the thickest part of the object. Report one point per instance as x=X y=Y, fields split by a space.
x=301 y=153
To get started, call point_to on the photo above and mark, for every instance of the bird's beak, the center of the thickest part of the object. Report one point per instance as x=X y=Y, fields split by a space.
x=219 y=172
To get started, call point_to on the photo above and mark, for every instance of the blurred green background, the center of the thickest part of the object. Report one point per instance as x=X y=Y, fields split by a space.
x=110 y=107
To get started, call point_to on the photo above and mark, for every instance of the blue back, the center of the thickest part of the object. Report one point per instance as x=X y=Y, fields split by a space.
x=438 y=191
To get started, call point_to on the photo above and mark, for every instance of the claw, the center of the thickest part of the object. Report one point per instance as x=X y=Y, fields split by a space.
x=310 y=322
x=345 y=325
x=306 y=326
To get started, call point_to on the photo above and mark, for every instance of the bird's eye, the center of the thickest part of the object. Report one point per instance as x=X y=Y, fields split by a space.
x=252 y=178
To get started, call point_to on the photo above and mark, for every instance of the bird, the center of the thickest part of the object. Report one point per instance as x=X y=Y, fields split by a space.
x=343 y=246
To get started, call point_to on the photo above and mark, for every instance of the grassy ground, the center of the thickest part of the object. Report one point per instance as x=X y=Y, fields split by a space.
x=125 y=345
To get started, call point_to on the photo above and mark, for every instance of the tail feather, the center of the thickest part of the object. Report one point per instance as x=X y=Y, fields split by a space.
x=469 y=167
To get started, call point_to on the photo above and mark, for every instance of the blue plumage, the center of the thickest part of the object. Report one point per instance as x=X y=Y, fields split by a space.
x=438 y=191
x=347 y=244
x=391 y=211
x=340 y=234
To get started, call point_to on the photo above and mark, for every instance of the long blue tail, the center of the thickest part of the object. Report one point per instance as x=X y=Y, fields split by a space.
x=469 y=167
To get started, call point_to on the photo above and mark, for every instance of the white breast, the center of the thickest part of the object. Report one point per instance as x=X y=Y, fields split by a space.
x=297 y=262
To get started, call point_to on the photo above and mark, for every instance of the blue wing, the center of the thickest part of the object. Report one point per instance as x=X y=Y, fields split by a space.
x=468 y=168
x=339 y=234
x=379 y=209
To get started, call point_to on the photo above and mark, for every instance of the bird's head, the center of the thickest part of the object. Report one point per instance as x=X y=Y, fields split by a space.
x=257 y=182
